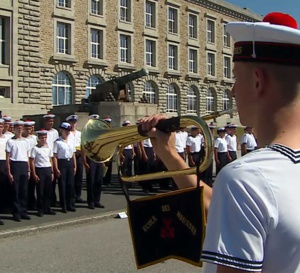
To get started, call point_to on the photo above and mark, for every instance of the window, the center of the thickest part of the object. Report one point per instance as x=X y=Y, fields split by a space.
x=125 y=10
x=63 y=45
x=150 y=53
x=91 y=84
x=3 y=40
x=150 y=14
x=172 y=104
x=210 y=31
x=226 y=37
x=96 y=44
x=173 y=57
x=226 y=100
x=227 y=68
x=193 y=67
x=192 y=26
x=211 y=70
x=61 y=89
x=125 y=48
x=64 y=3
x=97 y=7
x=149 y=92
x=173 y=20
x=210 y=102
x=192 y=100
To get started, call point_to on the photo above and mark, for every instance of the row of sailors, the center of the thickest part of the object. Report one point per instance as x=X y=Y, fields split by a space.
x=43 y=158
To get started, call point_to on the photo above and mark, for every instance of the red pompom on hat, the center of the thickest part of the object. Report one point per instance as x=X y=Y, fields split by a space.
x=281 y=19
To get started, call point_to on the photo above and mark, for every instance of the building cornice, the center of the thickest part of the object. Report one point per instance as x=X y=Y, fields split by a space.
x=228 y=9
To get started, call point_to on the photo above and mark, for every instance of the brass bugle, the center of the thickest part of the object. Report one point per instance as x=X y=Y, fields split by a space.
x=100 y=142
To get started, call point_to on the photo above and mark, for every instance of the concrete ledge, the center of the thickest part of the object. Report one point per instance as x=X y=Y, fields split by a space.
x=55 y=225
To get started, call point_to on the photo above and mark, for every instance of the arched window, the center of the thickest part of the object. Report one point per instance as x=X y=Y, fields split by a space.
x=226 y=100
x=61 y=89
x=192 y=100
x=149 y=92
x=172 y=101
x=91 y=84
x=210 y=101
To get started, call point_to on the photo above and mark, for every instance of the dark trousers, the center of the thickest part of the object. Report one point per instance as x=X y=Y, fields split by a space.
x=78 y=177
x=53 y=195
x=223 y=161
x=127 y=163
x=181 y=155
x=207 y=175
x=44 y=188
x=31 y=193
x=196 y=158
x=94 y=179
x=107 y=177
x=19 y=171
x=66 y=183
x=5 y=187
x=233 y=155
x=137 y=161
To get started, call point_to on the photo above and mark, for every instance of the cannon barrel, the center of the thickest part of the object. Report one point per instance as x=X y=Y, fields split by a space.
x=115 y=85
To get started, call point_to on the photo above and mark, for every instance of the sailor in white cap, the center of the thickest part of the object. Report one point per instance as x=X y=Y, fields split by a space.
x=42 y=172
x=75 y=139
x=232 y=142
x=32 y=141
x=52 y=135
x=94 y=177
x=18 y=169
x=194 y=146
x=7 y=133
x=220 y=150
x=64 y=165
x=248 y=141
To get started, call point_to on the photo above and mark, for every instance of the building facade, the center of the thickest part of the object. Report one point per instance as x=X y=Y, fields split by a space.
x=54 y=52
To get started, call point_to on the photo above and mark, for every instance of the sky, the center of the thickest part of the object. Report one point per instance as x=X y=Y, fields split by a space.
x=262 y=7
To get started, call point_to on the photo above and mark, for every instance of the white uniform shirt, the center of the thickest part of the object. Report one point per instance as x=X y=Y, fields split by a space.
x=250 y=141
x=231 y=143
x=194 y=143
x=32 y=141
x=41 y=156
x=75 y=139
x=221 y=145
x=8 y=135
x=3 y=141
x=52 y=135
x=18 y=149
x=147 y=143
x=129 y=147
x=180 y=141
x=254 y=220
x=63 y=149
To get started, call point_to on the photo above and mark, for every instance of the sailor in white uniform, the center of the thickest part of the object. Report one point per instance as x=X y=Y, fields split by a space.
x=220 y=150
x=232 y=142
x=248 y=141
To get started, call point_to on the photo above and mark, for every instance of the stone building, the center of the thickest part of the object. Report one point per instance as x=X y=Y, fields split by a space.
x=54 y=52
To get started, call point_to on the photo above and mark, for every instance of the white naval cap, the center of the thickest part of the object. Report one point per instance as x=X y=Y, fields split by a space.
x=2 y=120
x=66 y=126
x=6 y=118
x=48 y=116
x=233 y=125
x=221 y=129
x=72 y=118
x=29 y=123
x=94 y=116
x=107 y=118
x=41 y=132
x=17 y=122
x=275 y=40
x=126 y=122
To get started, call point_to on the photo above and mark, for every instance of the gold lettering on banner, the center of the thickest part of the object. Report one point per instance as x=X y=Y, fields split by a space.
x=150 y=223
x=165 y=208
x=187 y=223
x=238 y=50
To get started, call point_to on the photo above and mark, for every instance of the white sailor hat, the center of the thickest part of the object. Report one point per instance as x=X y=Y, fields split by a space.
x=211 y=125
x=233 y=125
x=29 y=123
x=6 y=118
x=275 y=40
x=2 y=120
x=17 y=122
x=48 y=116
x=72 y=118
x=41 y=132
x=65 y=126
x=94 y=116
x=125 y=122
x=107 y=119
x=221 y=129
